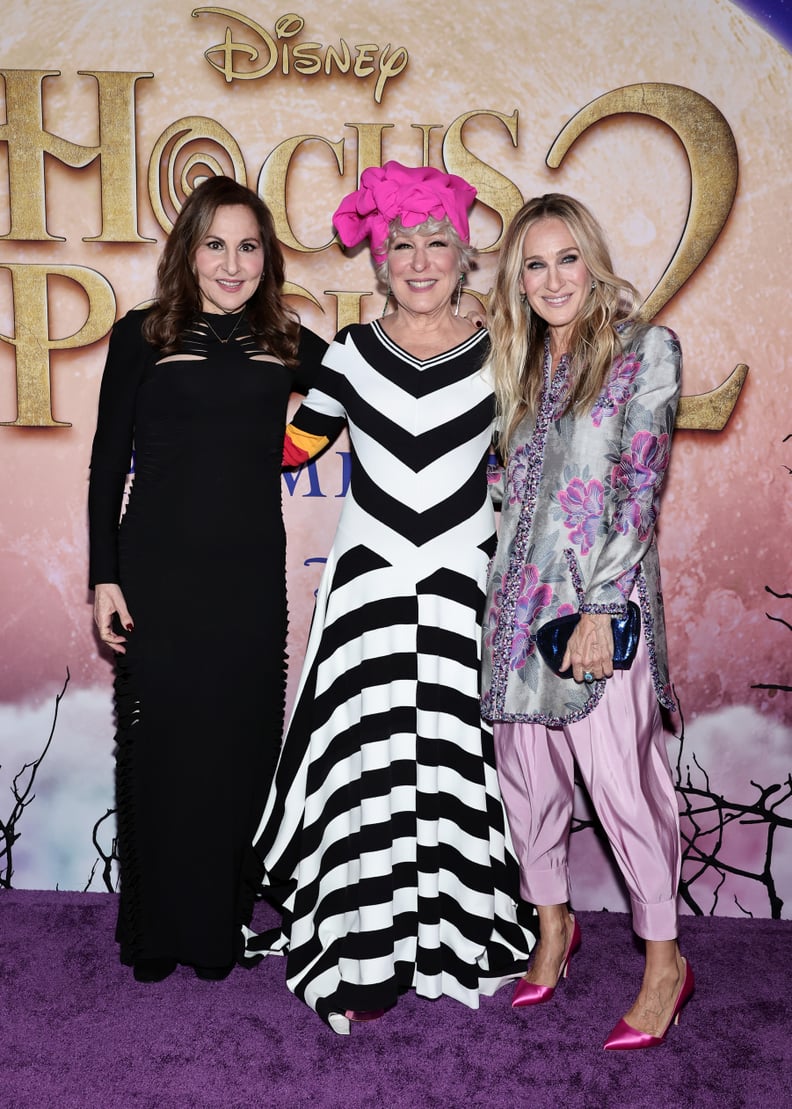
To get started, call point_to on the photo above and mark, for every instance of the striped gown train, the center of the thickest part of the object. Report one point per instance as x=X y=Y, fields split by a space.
x=384 y=835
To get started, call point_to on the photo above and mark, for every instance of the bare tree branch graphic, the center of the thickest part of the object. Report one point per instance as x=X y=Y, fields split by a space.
x=21 y=791
x=705 y=818
x=788 y=626
x=107 y=857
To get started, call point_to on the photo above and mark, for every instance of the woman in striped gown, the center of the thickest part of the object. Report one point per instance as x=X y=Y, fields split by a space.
x=384 y=832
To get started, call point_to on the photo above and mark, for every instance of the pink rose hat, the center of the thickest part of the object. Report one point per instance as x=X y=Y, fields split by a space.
x=411 y=194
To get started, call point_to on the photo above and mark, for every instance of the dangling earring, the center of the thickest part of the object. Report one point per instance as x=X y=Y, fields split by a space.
x=387 y=298
x=593 y=285
x=459 y=293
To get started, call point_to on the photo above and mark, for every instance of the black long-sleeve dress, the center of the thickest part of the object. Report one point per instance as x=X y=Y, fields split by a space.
x=200 y=557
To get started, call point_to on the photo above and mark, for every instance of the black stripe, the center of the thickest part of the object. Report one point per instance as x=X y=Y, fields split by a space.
x=419 y=527
x=416 y=452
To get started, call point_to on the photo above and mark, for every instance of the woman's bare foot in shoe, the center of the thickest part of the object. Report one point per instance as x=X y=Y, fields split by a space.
x=663 y=978
x=556 y=925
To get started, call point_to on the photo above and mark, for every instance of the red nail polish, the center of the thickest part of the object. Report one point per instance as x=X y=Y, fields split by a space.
x=129 y=627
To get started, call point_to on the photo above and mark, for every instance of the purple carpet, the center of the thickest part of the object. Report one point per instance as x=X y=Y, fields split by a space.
x=77 y=1030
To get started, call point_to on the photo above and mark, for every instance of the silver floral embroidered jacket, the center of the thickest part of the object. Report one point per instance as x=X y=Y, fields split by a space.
x=577 y=530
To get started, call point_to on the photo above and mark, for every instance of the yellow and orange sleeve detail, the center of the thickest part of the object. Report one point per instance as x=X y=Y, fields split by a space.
x=300 y=446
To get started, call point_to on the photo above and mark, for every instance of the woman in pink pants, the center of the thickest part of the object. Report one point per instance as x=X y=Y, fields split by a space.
x=587 y=399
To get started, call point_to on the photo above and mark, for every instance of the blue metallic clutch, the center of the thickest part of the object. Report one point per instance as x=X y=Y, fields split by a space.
x=552 y=639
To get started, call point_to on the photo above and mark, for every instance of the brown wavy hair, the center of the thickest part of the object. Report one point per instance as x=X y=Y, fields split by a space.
x=518 y=334
x=274 y=326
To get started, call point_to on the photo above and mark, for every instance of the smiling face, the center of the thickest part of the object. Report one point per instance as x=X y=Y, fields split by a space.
x=554 y=277
x=423 y=271
x=229 y=259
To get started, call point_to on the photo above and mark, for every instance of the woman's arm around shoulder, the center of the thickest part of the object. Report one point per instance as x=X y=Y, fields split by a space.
x=310 y=352
x=321 y=416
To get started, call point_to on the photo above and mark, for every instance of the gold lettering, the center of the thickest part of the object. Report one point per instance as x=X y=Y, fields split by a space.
x=369 y=144
x=272 y=186
x=289 y=25
x=712 y=155
x=425 y=129
x=494 y=190
x=364 y=66
x=228 y=48
x=389 y=66
x=348 y=306
x=290 y=289
x=28 y=142
x=711 y=411
x=171 y=175
x=32 y=342
x=306 y=57
x=342 y=63
x=118 y=156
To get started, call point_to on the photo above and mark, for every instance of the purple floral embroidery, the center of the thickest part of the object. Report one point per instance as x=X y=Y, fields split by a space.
x=636 y=480
x=618 y=389
x=566 y=609
x=626 y=582
x=494 y=469
x=583 y=504
x=533 y=598
x=518 y=475
x=560 y=396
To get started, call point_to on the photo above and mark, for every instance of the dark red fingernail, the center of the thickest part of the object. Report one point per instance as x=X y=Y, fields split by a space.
x=129 y=627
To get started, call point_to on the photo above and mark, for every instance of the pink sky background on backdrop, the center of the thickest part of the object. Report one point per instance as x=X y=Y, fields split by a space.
x=725 y=524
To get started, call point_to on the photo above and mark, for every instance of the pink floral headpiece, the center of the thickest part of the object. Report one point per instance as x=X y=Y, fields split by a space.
x=411 y=194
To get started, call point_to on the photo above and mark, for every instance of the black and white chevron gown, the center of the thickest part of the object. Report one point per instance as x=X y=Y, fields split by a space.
x=384 y=834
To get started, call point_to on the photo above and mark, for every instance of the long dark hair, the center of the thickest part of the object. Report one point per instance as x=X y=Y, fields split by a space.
x=273 y=325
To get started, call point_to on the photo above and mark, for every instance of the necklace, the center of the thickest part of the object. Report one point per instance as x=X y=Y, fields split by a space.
x=230 y=335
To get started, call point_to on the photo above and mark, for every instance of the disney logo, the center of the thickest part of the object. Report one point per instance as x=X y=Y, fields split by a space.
x=274 y=49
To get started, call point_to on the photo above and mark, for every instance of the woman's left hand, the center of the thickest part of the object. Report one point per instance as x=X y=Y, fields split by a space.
x=470 y=307
x=590 y=647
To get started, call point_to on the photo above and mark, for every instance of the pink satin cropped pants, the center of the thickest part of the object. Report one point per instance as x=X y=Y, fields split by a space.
x=620 y=751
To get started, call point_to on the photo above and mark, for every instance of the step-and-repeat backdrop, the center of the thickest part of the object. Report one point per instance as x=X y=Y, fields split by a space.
x=672 y=122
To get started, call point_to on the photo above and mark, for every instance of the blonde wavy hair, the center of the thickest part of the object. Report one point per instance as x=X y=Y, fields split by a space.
x=518 y=334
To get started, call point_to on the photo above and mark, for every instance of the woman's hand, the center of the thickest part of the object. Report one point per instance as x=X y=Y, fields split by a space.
x=109 y=601
x=470 y=307
x=590 y=647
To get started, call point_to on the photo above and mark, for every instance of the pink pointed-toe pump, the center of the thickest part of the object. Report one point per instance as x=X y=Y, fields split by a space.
x=626 y=1038
x=530 y=993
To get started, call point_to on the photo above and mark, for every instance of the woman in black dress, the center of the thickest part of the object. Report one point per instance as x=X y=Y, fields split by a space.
x=190 y=587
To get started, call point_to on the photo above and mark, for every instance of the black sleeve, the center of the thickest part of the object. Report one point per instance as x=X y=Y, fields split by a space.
x=112 y=445
x=311 y=351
